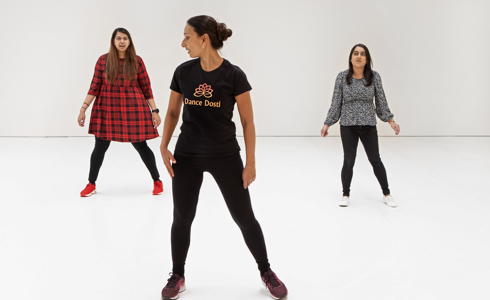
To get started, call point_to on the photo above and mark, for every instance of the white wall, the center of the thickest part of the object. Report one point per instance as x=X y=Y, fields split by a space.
x=432 y=57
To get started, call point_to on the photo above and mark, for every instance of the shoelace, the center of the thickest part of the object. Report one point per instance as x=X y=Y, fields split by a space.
x=172 y=281
x=271 y=278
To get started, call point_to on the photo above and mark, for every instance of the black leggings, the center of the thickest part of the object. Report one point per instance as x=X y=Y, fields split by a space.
x=227 y=171
x=100 y=149
x=369 y=138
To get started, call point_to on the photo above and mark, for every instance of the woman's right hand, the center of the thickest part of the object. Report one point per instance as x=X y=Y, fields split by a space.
x=167 y=158
x=324 y=131
x=81 y=118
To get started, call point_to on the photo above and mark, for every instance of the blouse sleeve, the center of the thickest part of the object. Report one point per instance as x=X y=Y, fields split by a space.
x=336 y=107
x=97 y=79
x=144 y=80
x=382 y=110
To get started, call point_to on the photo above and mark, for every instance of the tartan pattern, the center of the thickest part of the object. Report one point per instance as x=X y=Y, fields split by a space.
x=120 y=111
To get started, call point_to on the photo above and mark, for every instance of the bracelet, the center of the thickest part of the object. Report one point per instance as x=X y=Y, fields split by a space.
x=392 y=120
x=86 y=104
x=83 y=108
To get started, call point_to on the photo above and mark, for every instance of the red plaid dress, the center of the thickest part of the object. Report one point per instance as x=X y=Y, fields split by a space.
x=121 y=112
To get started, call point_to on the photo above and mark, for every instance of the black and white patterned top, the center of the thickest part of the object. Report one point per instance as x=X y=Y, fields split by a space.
x=353 y=104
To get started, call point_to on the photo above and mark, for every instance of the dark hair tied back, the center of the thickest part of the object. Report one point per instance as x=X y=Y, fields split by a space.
x=217 y=32
x=223 y=32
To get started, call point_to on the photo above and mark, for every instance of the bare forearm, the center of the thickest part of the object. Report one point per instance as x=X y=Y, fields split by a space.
x=170 y=123
x=86 y=103
x=152 y=104
x=249 y=137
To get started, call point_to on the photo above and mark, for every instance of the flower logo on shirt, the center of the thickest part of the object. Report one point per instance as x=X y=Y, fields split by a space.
x=204 y=90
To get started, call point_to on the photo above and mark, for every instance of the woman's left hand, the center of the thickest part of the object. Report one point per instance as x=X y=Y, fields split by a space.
x=156 y=119
x=248 y=176
x=395 y=127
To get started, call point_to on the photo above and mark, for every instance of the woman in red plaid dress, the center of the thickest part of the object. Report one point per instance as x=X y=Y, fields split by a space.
x=122 y=90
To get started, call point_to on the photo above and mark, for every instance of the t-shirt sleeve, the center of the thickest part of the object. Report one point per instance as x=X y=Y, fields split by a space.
x=175 y=85
x=240 y=83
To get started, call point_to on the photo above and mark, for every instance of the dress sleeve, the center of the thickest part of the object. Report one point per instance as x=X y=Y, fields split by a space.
x=97 y=79
x=144 y=80
x=336 y=107
x=382 y=110
x=240 y=83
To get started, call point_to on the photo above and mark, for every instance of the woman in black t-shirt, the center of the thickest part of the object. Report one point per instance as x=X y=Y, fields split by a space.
x=208 y=87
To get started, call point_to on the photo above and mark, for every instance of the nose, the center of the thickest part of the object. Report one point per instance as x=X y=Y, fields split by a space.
x=182 y=44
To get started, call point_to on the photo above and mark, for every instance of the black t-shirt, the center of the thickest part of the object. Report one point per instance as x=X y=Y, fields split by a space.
x=209 y=100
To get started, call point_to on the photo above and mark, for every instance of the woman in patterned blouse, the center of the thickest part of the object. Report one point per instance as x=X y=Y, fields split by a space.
x=122 y=92
x=352 y=103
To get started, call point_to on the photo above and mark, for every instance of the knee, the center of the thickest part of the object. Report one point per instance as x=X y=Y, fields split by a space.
x=246 y=223
x=183 y=221
x=375 y=161
x=349 y=162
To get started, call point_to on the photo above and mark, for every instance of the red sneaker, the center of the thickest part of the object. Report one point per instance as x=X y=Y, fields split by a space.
x=88 y=191
x=157 y=187
x=175 y=285
x=276 y=287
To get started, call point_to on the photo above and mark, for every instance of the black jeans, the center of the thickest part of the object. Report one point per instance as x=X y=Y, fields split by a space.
x=350 y=136
x=186 y=183
x=100 y=149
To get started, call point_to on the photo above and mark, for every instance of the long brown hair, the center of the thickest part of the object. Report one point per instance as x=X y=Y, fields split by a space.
x=130 y=68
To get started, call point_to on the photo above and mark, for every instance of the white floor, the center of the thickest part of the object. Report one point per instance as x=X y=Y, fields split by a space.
x=116 y=244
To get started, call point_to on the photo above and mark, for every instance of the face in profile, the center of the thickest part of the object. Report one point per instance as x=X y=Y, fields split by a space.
x=358 y=58
x=121 y=41
x=192 y=42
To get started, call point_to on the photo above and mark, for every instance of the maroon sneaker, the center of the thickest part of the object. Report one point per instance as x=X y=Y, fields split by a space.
x=276 y=287
x=157 y=187
x=175 y=285
x=88 y=191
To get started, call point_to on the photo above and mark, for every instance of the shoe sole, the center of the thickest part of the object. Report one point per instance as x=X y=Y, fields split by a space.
x=270 y=294
x=392 y=206
x=156 y=194
x=88 y=195
x=182 y=289
x=343 y=205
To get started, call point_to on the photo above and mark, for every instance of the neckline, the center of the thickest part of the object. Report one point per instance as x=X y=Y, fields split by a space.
x=200 y=66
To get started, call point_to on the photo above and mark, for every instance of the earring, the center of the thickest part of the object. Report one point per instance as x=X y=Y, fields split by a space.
x=202 y=46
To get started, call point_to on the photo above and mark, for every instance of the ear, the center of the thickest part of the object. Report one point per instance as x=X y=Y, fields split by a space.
x=205 y=37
